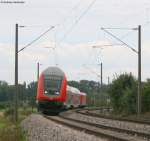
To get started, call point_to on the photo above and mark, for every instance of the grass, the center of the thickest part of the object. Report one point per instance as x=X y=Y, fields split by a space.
x=2 y=123
x=10 y=131
x=24 y=112
x=2 y=110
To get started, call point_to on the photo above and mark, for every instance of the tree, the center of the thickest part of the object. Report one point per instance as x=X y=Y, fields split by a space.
x=31 y=93
x=123 y=92
x=146 y=97
x=3 y=91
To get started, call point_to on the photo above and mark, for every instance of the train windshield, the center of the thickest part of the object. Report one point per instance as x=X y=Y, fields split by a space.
x=52 y=85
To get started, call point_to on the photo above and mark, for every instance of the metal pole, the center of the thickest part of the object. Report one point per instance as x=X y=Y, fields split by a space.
x=101 y=75
x=139 y=72
x=16 y=74
x=38 y=65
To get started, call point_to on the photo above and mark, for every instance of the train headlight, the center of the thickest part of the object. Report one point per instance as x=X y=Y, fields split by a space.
x=57 y=93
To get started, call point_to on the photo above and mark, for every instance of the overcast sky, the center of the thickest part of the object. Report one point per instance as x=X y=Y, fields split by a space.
x=77 y=28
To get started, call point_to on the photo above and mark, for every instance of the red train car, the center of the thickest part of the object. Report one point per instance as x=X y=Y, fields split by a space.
x=53 y=94
x=74 y=97
x=83 y=99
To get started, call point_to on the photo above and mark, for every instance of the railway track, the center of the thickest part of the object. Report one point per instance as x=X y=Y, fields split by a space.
x=138 y=120
x=112 y=133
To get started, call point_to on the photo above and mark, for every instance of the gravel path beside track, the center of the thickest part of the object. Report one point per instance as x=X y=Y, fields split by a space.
x=39 y=128
x=113 y=123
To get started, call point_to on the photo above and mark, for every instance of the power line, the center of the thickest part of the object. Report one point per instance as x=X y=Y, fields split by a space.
x=77 y=21
x=70 y=12
x=41 y=35
x=92 y=71
x=37 y=26
x=30 y=43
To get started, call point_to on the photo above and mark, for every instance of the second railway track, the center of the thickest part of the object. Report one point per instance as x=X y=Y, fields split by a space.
x=89 y=112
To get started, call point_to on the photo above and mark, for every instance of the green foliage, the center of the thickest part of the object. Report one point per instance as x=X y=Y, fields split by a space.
x=8 y=112
x=3 y=90
x=85 y=86
x=146 y=97
x=73 y=84
x=123 y=94
x=26 y=97
x=98 y=99
x=31 y=93
x=3 y=105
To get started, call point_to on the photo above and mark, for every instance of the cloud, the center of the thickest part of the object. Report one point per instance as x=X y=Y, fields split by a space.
x=79 y=61
x=76 y=49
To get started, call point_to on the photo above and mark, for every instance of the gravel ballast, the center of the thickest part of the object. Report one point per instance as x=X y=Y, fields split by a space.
x=113 y=123
x=38 y=128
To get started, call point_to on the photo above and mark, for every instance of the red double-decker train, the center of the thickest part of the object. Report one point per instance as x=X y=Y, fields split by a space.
x=53 y=93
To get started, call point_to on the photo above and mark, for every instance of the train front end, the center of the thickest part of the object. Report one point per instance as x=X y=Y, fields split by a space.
x=51 y=92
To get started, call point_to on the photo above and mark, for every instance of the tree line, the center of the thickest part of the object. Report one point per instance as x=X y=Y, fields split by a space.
x=121 y=94
x=27 y=94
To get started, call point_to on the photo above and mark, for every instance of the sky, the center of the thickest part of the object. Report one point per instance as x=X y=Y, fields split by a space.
x=69 y=45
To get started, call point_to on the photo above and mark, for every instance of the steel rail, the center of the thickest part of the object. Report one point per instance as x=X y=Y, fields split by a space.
x=128 y=119
x=121 y=130
x=96 y=129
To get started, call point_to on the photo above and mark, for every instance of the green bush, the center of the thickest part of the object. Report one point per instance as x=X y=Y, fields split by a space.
x=4 y=105
x=123 y=94
x=9 y=113
x=146 y=97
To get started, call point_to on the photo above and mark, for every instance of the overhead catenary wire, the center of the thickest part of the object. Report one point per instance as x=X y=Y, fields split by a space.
x=37 y=26
x=30 y=43
x=33 y=41
x=78 y=19
x=89 y=69
x=70 y=12
x=115 y=44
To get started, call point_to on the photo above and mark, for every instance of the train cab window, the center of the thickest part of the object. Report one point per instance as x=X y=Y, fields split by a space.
x=52 y=85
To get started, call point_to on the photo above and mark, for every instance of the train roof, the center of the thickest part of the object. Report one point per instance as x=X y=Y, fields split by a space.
x=75 y=90
x=83 y=93
x=53 y=71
